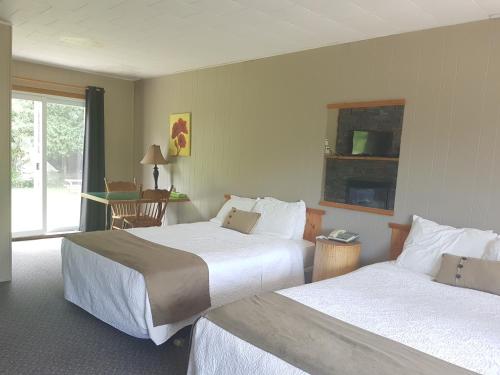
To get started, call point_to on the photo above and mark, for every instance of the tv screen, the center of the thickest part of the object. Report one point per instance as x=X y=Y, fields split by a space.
x=371 y=143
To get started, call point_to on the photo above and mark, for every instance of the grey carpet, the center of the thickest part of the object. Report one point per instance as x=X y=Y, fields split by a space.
x=41 y=333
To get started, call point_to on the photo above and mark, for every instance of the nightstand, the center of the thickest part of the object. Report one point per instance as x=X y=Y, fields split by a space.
x=334 y=258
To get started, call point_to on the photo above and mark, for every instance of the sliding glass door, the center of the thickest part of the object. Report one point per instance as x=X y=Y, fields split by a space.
x=27 y=176
x=47 y=149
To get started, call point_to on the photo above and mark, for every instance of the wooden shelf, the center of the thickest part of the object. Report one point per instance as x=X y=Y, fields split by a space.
x=378 y=211
x=372 y=158
x=370 y=104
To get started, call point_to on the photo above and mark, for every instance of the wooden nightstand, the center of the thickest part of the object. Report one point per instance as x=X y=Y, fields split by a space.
x=333 y=258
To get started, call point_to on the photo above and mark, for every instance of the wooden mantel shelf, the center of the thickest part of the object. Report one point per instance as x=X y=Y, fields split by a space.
x=378 y=211
x=353 y=157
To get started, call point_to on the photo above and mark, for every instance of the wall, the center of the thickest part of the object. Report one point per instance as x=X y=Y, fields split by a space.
x=259 y=126
x=118 y=111
x=5 y=59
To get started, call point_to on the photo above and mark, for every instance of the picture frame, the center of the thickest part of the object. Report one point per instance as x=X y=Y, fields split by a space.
x=180 y=134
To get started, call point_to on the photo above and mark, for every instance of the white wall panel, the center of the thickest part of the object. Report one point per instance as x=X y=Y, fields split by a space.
x=258 y=127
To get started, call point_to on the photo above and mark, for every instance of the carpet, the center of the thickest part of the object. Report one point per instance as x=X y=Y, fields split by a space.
x=42 y=333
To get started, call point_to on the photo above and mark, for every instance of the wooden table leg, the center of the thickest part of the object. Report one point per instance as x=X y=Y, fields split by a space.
x=106 y=217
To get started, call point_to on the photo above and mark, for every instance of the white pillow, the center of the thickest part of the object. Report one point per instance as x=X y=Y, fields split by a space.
x=427 y=241
x=493 y=250
x=240 y=203
x=280 y=219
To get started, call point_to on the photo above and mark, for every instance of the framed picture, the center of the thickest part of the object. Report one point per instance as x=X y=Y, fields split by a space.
x=179 y=143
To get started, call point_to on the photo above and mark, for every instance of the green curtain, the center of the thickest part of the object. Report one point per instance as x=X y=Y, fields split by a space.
x=92 y=215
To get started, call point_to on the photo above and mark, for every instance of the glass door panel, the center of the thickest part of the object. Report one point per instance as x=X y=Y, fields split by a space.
x=47 y=162
x=27 y=174
x=65 y=133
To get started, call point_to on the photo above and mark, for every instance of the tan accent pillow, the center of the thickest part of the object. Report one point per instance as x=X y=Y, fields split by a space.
x=472 y=273
x=241 y=221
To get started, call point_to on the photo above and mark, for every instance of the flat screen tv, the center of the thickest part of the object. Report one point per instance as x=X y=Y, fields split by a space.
x=371 y=143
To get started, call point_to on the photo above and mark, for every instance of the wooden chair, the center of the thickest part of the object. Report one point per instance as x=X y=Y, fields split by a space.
x=121 y=209
x=150 y=209
x=120 y=185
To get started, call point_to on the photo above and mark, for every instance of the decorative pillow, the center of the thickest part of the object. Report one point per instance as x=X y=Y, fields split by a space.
x=472 y=273
x=240 y=203
x=280 y=219
x=427 y=241
x=241 y=221
x=493 y=250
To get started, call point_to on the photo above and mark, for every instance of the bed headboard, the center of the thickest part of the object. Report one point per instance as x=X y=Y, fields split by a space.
x=314 y=220
x=399 y=232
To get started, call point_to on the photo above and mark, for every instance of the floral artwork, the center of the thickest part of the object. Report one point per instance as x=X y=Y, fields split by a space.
x=180 y=135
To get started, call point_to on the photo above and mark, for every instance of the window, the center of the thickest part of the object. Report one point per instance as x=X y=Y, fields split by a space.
x=47 y=160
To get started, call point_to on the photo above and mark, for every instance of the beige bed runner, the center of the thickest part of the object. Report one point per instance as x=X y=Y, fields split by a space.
x=318 y=343
x=176 y=281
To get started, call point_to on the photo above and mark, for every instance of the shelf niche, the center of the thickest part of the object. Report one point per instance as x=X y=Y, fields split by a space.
x=362 y=182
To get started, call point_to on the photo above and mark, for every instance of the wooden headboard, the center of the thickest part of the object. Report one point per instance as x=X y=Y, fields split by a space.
x=314 y=221
x=399 y=232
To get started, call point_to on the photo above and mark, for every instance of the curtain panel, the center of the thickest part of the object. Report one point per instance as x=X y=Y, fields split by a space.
x=92 y=216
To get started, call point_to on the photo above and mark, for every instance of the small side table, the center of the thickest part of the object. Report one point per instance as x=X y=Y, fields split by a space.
x=334 y=258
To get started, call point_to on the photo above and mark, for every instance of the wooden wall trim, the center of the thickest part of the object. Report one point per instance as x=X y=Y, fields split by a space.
x=369 y=104
x=42 y=91
x=45 y=82
x=353 y=207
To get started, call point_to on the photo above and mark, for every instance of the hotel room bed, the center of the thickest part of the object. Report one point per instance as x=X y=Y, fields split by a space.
x=389 y=315
x=239 y=265
x=457 y=325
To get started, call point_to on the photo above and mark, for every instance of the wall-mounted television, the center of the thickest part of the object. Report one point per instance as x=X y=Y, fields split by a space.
x=371 y=143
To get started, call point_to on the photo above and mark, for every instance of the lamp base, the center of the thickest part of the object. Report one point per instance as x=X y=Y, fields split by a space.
x=155 y=176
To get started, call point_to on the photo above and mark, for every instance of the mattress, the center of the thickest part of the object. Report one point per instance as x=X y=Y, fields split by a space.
x=457 y=325
x=239 y=265
x=308 y=249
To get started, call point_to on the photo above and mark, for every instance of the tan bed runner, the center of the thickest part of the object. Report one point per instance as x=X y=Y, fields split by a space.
x=320 y=344
x=176 y=281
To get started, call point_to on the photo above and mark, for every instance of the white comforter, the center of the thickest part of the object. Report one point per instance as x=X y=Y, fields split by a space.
x=458 y=325
x=239 y=265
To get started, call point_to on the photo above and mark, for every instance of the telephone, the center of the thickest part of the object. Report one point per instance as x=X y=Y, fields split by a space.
x=342 y=235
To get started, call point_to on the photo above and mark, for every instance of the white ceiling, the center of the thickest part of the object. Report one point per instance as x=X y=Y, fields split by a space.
x=137 y=39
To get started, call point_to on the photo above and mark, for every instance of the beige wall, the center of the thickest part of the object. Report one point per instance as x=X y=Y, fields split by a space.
x=259 y=127
x=118 y=110
x=5 y=59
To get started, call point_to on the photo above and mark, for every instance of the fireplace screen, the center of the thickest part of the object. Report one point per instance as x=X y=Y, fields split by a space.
x=376 y=194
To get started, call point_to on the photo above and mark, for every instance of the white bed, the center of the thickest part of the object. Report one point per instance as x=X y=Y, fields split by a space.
x=239 y=265
x=458 y=325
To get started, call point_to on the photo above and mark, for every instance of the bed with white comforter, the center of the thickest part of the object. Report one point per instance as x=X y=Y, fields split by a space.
x=239 y=265
x=458 y=325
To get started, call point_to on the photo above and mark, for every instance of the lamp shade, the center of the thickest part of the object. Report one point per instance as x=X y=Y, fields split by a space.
x=154 y=156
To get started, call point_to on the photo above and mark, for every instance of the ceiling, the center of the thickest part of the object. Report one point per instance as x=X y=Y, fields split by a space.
x=145 y=38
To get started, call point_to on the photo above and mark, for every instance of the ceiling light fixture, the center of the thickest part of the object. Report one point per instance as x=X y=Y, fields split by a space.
x=80 y=42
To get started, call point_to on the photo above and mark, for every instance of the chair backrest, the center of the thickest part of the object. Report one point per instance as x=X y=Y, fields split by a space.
x=153 y=203
x=121 y=185
x=122 y=208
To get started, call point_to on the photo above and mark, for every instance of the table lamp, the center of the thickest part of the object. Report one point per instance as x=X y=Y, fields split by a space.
x=154 y=156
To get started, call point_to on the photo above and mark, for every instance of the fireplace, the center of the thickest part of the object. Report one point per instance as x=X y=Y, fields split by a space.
x=376 y=194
